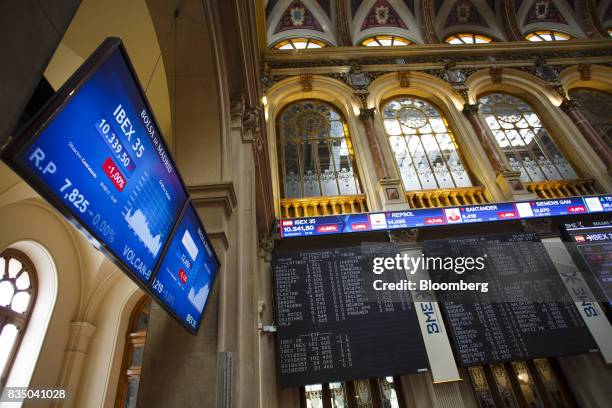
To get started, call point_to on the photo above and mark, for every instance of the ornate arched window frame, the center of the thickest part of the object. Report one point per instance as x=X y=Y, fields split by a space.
x=550 y=130
x=8 y=316
x=280 y=146
x=450 y=129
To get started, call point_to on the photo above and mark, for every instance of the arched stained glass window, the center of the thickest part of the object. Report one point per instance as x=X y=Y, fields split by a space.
x=522 y=137
x=316 y=155
x=595 y=105
x=300 y=43
x=468 y=38
x=547 y=35
x=423 y=146
x=385 y=41
x=17 y=295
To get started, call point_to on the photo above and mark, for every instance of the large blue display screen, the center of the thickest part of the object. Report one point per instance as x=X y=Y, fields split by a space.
x=103 y=158
x=187 y=272
x=95 y=153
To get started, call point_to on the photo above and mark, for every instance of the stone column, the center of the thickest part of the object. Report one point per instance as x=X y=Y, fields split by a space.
x=367 y=118
x=590 y=134
x=507 y=179
x=390 y=190
x=499 y=163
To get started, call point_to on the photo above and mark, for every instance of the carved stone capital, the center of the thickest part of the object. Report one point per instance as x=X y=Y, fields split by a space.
x=568 y=105
x=470 y=109
x=266 y=246
x=251 y=118
x=366 y=113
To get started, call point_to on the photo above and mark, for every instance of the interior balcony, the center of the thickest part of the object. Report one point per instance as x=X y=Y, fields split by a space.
x=446 y=197
x=318 y=206
x=562 y=188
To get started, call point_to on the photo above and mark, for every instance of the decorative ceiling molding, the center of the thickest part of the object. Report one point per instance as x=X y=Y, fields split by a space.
x=427 y=19
x=343 y=27
x=511 y=26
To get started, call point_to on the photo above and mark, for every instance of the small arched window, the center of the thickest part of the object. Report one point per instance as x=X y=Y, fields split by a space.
x=300 y=43
x=468 y=38
x=385 y=41
x=316 y=155
x=547 y=35
x=17 y=296
x=133 y=353
x=523 y=138
x=423 y=145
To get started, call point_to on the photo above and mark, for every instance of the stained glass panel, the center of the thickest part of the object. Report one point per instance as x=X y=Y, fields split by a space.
x=423 y=146
x=316 y=151
x=523 y=139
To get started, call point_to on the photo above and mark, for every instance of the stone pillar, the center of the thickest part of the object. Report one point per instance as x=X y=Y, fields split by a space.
x=367 y=118
x=74 y=358
x=508 y=180
x=390 y=190
x=590 y=134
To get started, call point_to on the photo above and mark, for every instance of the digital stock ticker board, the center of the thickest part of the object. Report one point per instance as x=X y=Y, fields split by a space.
x=593 y=251
x=330 y=327
x=527 y=311
x=95 y=153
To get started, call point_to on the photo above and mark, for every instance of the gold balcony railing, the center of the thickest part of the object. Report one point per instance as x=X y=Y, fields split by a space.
x=315 y=206
x=562 y=188
x=446 y=197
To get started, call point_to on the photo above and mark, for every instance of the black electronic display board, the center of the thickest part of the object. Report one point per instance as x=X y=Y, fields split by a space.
x=527 y=311
x=593 y=250
x=330 y=327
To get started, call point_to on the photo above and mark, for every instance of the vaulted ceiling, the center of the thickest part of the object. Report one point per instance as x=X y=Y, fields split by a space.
x=348 y=22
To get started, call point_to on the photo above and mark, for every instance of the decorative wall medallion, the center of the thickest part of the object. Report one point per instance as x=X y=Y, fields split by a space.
x=541 y=9
x=463 y=12
x=357 y=78
x=297 y=15
x=382 y=14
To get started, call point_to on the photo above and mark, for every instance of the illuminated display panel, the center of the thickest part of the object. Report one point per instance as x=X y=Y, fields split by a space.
x=187 y=272
x=96 y=154
x=594 y=254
